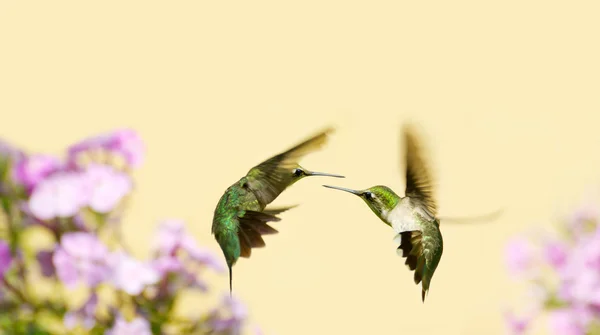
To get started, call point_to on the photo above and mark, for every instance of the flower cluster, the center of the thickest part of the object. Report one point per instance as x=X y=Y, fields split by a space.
x=78 y=201
x=562 y=271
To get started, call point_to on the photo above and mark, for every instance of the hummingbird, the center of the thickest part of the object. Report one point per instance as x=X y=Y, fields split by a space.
x=241 y=217
x=413 y=217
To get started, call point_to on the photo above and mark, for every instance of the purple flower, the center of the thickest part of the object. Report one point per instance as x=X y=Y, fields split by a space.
x=137 y=326
x=123 y=142
x=44 y=257
x=169 y=236
x=85 y=315
x=33 y=169
x=172 y=240
x=129 y=144
x=81 y=257
x=106 y=187
x=556 y=253
x=566 y=322
x=9 y=151
x=229 y=318
x=131 y=275
x=519 y=255
x=5 y=257
x=516 y=325
x=167 y=264
x=60 y=195
x=178 y=253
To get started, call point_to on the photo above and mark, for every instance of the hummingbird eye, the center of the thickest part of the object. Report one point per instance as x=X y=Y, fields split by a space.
x=298 y=172
x=368 y=195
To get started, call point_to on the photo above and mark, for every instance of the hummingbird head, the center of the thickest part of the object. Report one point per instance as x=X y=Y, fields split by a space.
x=381 y=199
x=299 y=172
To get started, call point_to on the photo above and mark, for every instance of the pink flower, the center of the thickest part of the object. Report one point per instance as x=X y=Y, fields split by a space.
x=177 y=253
x=556 y=253
x=172 y=239
x=519 y=255
x=33 y=169
x=137 y=326
x=516 y=325
x=85 y=315
x=123 y=142
x=167 y=264
x=566 y=322
x=106 y=187
x=81 y=257
x=131 y=275
x=129 y=144
x=169 y=236
x=9 y=151
x=229 y=318
x=60 y=195
x=6 y=258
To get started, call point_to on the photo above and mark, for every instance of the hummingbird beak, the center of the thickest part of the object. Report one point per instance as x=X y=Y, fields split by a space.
x=343 y=189
x=310 y=173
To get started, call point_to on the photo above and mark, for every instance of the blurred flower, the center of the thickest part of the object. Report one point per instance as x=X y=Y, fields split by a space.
x=81 y=257
x=178 y=253
x=556 y=253
x=33 y=169
x=519 y=255
x=64 y=198
x=123 y=142
x=129 y=144
x=566 y=322
x=85 y=315
x=171 y=238
x=5 y=257
x=44 y=258
x=516 y=325
x=7 y=150
x=229 y=318
x=106 y=187
x=60 y=195
x=137 y=326
x=131 y=275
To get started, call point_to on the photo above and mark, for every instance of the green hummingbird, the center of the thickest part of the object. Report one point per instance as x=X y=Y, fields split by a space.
x=241 y=218
x=413 y=217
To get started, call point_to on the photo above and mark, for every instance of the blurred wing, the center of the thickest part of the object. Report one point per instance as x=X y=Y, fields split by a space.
x=252 y=225
x=419 y=184
x=268 y=179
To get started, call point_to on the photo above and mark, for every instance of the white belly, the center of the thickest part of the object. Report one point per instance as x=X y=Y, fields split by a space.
x=402 y=217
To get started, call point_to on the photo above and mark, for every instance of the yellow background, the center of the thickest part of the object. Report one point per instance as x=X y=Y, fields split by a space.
x=505 y=92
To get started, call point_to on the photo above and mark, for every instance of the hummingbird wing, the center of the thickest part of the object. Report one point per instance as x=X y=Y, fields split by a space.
x=419 y=253
x=419 y=184
x=268 y=179
x=252 y=225
x=278 y=210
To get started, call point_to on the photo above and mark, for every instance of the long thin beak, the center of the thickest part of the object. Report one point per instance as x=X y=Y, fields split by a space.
x=310 y=173
x=343 y=189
